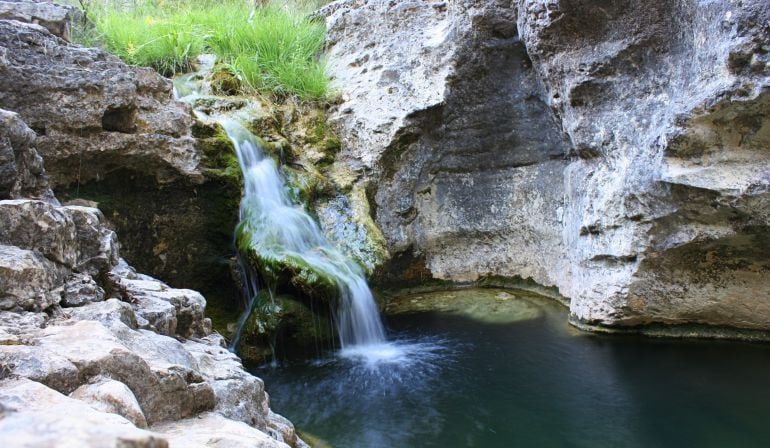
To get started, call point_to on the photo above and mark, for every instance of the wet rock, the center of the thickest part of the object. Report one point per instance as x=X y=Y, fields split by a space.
x=113 y=397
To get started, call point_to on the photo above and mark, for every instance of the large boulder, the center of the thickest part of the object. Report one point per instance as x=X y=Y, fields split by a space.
x=615 y=151
x=107 y=114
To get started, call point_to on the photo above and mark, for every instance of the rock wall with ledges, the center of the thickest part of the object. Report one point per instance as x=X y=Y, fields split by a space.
x=616 y=150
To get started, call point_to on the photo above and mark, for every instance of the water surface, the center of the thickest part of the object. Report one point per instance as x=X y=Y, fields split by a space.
x=516 y=375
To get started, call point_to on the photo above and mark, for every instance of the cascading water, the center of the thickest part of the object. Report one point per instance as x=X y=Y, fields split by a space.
x=278 y=229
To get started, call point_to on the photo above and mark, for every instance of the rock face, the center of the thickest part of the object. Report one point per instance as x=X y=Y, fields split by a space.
x=21 y=167
x=615 y=150
x=107 y=115
x=146 y=354
x=116 y=138
x=95 y=353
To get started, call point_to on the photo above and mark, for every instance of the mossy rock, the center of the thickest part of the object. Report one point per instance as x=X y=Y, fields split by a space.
x=286 y=323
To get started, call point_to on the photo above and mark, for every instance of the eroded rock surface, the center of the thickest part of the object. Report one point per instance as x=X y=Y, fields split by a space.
x=615 y=150
x=106 y=115
x=99 y=355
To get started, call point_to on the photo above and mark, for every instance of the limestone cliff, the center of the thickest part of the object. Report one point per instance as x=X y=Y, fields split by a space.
x=617 y=150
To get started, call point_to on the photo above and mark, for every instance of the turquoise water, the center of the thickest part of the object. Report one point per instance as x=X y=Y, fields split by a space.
x=460 y=381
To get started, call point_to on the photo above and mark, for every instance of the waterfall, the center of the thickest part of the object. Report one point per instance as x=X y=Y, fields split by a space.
x=279 y=229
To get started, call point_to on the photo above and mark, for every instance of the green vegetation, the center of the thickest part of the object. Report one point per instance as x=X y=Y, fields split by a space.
x=270 y=47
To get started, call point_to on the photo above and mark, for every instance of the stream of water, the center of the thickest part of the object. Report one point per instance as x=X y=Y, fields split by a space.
x=498 y=369
x=280 y=229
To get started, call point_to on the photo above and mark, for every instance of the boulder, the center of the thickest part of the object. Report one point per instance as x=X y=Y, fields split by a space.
x=165 y=390
x=74 y=237
x=41 y=227
x=97 y=245
x=55 y=18
x=107 y=114
x=168 y=310
x=15 y=326
x=107 y=312
x=213 y=430
x=240 y=395
x=114 y=397
x=41 y=365
x=80 y=289
x=59 y=421
x=28 y=281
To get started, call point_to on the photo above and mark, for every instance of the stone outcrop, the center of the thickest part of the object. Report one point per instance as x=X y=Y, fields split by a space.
x=55 y=18
x=21 y=167
x=100 y=355
x=107 y=115
x=615 y=151
x=111 y=134
x=146 y=353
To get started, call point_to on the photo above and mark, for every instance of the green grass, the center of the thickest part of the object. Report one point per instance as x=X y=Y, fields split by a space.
x=273 y=48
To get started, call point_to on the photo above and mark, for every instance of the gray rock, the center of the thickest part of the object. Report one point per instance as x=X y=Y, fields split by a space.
x=65 y=422
x=80 y=289
x=41 y=365
x=165 y=390
x=107 y=114
x=113 y=397
x=97 y=245
x=170 y=311
x=55 y=18
x=16 y=326
x=21 y=168
x=71 y=236
x=213 y=430
x=606 y=150
x=240 y=395
x=28 y=281
x=107 y=312
x=42 y=227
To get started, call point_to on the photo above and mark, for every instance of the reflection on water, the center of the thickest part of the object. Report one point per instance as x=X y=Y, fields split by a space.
x=455 y=381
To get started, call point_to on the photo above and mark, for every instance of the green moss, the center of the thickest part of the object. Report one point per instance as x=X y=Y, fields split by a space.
x=218 y=155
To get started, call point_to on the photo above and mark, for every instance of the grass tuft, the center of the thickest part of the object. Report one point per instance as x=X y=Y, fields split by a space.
x=272 y=47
